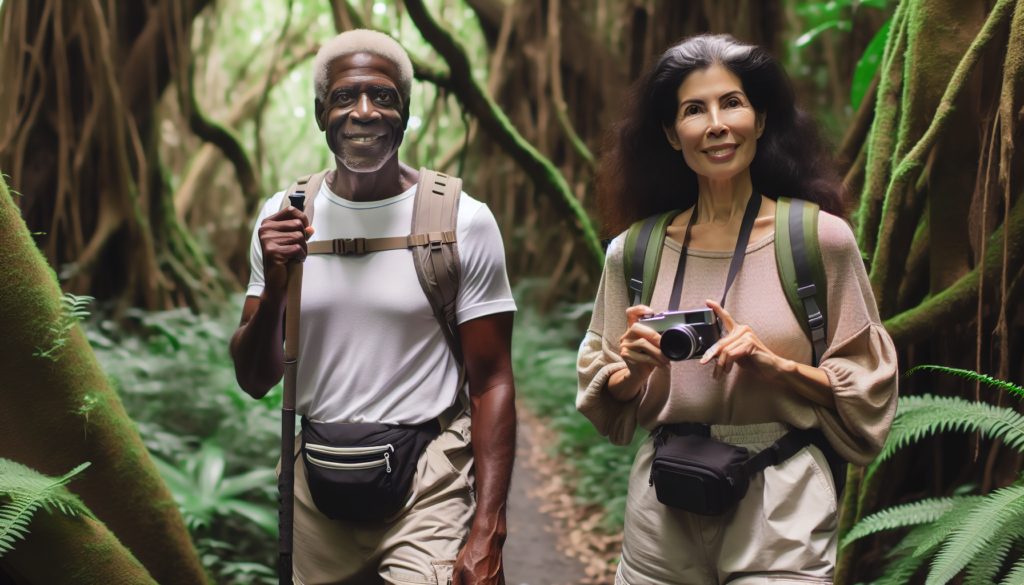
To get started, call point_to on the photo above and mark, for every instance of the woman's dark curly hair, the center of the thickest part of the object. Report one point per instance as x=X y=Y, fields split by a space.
x=641 y=174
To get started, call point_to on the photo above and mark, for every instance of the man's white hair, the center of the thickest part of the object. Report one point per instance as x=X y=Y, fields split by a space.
x=362 y=41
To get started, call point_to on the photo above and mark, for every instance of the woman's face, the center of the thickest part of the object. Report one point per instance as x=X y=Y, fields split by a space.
x=716 y=128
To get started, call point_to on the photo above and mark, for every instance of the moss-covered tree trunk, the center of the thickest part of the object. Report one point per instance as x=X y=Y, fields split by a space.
x=941 y=219
x=79 y=550
x=59 y=411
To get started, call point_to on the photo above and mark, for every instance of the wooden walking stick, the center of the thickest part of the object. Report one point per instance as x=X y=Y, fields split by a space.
x=286 y=481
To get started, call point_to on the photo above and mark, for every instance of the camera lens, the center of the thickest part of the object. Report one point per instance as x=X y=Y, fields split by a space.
x=679 y=342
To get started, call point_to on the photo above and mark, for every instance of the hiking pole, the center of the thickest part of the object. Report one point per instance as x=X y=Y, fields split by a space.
x=286 y=481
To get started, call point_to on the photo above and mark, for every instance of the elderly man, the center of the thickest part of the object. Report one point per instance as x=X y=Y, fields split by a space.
x=374 y=356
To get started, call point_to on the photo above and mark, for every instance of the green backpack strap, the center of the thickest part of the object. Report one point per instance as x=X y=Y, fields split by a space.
x=642 y=255
x=801 y=269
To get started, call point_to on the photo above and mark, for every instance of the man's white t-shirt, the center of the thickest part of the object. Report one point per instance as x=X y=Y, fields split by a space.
x=371 y=349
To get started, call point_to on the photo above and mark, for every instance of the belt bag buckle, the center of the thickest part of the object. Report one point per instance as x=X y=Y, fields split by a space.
x=699 y=474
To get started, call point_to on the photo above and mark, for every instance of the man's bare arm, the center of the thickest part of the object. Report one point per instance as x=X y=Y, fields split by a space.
x=486 y=344
x=256 y=346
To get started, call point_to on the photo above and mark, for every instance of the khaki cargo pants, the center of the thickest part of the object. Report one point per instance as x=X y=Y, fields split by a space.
x=418 y=545
x=783 y=531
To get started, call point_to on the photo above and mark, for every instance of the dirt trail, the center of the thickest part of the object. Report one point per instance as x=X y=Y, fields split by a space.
x=531 y=553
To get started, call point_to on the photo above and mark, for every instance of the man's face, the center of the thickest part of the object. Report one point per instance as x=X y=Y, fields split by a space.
x=364 y=111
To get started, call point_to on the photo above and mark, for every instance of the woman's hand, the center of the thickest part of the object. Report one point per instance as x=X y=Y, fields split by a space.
x=640 y=348
x=741 y=346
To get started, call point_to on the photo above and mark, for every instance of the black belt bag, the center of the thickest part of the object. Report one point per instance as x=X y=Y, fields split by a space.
x=362 y=471
x=698 y=474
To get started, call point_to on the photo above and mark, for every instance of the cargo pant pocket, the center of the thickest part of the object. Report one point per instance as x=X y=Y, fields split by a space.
x=443 y=571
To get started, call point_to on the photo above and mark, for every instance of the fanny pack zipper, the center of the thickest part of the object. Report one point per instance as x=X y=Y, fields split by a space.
x=352 y=451
x=386 y=461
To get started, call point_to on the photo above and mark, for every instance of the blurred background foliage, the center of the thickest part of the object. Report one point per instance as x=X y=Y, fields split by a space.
x=144 y=193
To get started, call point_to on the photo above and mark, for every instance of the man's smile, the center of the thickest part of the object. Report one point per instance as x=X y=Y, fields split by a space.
x=363 y=139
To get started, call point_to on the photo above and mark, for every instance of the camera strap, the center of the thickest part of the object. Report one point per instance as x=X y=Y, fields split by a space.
x=746 y=227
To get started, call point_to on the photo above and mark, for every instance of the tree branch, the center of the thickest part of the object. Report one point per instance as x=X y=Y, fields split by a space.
x=242 y=108
x=883 y=129
x=561 y=109
x=226 y=140
x=541 y=171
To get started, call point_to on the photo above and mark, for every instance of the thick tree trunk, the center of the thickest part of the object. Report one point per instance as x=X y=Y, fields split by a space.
x=938 y=158
x=58 y=412
x=79 y=550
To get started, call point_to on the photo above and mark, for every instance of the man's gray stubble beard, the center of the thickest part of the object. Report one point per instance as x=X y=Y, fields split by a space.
x=356 y=167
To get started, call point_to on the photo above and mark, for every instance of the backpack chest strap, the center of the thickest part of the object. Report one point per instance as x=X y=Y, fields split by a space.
x=344 y=246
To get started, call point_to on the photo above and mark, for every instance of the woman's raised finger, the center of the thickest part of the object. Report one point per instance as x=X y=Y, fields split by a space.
x=634 y=313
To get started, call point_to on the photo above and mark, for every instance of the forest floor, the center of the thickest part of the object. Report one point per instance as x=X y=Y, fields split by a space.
x=546 y=543
x=532 y=553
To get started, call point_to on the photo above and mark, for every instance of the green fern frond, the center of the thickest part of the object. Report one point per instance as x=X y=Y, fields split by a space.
x=73 y=310
x=998 y=509
x=29 y=490
x=923 y=512
x=972 y=376
x=920 y=416
x=982 y=569
x=1016 y=574
x=904 y=565
x=935 y=533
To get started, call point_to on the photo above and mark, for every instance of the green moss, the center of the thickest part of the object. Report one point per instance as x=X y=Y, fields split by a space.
x=123 y=487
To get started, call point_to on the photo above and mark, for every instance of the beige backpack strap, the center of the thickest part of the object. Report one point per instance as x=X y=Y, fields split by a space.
x=435 y=252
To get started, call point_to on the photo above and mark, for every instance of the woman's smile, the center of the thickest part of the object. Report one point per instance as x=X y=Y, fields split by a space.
x=721 y=152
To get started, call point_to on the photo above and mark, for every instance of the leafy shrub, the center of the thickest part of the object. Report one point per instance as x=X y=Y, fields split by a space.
x=980 y=535
x=214 y=445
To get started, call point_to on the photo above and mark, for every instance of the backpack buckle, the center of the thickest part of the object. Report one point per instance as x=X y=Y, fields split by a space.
x=349 y=246
x=816 y=321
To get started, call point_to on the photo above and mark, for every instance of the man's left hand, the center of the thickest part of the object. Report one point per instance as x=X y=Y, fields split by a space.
x=479 y=562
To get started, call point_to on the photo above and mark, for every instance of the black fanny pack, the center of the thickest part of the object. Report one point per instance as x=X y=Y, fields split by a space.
x=698 y=474
x=362 y=471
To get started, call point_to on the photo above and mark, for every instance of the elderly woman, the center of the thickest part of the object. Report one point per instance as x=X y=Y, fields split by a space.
x=729 y=110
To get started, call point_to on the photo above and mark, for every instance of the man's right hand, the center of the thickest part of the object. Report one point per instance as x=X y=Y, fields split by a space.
x=283 y=237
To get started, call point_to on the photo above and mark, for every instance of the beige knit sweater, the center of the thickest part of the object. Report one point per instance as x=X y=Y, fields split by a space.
x=860 y=361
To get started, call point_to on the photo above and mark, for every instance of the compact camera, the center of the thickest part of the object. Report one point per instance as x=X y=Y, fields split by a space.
x=685 y=335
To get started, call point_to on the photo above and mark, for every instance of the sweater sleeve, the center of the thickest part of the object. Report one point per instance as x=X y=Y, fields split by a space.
x=599 y=355
x=861 y=359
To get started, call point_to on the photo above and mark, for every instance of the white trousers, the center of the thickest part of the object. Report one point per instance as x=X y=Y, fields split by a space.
x=783 y=531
